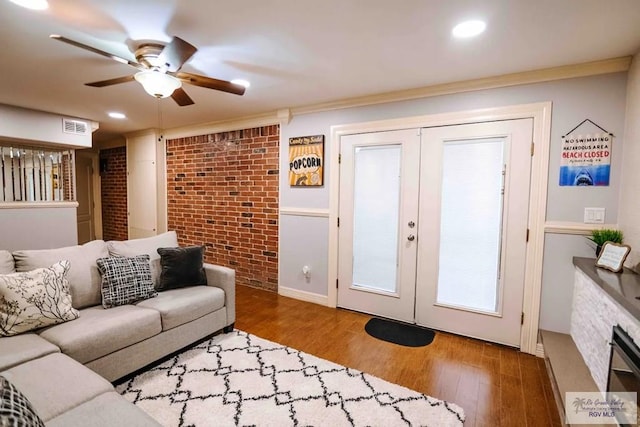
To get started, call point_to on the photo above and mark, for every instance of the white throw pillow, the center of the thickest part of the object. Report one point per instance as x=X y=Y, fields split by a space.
x=35 y=299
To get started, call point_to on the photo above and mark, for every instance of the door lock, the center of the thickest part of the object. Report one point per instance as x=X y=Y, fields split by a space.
x=411 y=224
x=411 y=238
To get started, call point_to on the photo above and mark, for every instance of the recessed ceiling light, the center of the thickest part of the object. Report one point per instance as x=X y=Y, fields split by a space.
x=116 y=115
x=241 y=82
x=32 y=4
x=469 y=29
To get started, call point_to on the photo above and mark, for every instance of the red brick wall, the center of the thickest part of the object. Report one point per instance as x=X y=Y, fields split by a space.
x=114 y=194
x=227 y=199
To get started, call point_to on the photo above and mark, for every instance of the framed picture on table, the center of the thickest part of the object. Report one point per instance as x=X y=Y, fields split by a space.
x=612 y=256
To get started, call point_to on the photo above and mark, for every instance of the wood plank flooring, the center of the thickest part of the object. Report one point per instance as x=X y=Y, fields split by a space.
x=496 y=385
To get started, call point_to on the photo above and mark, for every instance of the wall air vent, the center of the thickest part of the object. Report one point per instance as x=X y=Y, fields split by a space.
x=75 y=126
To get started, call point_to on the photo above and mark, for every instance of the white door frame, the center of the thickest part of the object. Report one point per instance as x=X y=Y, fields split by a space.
x=541 y=115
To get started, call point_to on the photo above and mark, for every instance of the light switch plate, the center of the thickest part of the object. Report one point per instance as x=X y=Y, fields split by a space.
x=594 y=215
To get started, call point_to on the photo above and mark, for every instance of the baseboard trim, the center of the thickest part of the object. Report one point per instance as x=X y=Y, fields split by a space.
x=302 y=295
x=540 y=350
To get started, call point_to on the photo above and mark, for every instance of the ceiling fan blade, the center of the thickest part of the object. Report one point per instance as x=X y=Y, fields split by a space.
x=110 y=82
x=210 y=83
x=98 y=51
x=181 y=97
x=176 y=53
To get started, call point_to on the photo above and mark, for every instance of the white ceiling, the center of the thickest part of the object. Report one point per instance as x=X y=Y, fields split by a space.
x=294 y=52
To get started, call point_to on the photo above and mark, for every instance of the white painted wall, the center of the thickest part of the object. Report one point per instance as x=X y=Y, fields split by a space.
x=38 y=228
x=43 y=129
x=599 y=98
x=44 y=226
x=630 y=191
x=306 y=237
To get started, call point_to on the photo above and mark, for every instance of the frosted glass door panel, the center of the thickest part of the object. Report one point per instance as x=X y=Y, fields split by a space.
x=470 y=224
x=378 y=213
x=376 y=208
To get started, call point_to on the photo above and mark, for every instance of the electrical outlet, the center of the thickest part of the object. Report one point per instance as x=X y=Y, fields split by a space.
x=594 y=215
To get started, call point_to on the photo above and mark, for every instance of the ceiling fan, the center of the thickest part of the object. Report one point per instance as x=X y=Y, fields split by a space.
x=159 y=70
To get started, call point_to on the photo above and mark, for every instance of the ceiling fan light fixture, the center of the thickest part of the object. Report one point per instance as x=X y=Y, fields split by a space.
x=157 y=84
x=241 y=82
x=32 y=4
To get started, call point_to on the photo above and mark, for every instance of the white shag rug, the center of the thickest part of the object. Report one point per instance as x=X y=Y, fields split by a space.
x=238 y=379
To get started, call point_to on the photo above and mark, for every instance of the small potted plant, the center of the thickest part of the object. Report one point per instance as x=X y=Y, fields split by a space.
x=599 y=237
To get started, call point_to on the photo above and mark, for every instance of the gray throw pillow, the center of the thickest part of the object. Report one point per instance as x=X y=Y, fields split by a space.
x=125 y=280
x=181 y=267
x=15 y=408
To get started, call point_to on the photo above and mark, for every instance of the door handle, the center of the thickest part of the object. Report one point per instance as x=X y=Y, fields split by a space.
x=411 y=238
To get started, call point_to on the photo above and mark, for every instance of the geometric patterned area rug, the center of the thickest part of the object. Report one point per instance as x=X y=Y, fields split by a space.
x=239 y=379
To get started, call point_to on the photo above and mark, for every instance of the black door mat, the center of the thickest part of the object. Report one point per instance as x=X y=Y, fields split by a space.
x=399 y=333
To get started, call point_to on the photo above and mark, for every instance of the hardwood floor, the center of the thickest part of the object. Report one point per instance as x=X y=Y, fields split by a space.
x=496 y=385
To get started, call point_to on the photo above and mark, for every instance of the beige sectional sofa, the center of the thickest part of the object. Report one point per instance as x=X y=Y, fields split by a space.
x=66 y=370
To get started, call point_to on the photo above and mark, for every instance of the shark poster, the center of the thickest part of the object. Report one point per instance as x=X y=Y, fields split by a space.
x=586 y=160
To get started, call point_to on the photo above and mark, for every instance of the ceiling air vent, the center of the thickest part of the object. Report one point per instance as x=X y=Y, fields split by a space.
x=75 y=126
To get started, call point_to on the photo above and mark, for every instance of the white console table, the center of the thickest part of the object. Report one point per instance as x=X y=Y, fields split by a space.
x=601 y=300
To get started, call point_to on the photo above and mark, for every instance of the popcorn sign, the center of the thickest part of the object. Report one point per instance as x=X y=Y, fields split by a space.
x=306 y=161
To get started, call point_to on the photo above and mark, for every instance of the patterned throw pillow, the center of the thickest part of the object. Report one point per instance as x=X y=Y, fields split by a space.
x=35 y=299
x=181 y=267
x=15 y=408
x=125 y=280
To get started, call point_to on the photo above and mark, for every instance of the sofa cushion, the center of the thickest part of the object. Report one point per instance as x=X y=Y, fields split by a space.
x=34 y=299
x=15 y=408
x=181 y=267
x=56 y=383
x=6 y=262
x=149 y=246
x=107 y=410
x=84 y=277
x=125 y=280
x=99 y=332
x=179 y=306
x=22 y=348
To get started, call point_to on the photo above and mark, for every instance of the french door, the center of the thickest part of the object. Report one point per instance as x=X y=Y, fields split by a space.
x=378 y=223
x=433 y=227
x=474 y=193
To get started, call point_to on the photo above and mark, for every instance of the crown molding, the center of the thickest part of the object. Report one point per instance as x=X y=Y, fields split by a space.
x=283 y=116
x=267 y=119
x=606 y=66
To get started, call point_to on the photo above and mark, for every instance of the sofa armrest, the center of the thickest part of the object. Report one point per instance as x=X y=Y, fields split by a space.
x=224 y=278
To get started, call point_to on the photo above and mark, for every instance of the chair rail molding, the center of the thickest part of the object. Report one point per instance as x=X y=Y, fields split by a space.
x=318 y=213
x=37 y=205
x=579 y=228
